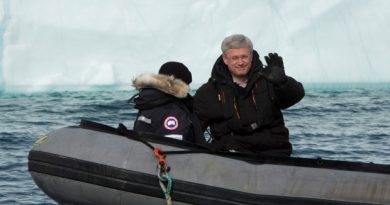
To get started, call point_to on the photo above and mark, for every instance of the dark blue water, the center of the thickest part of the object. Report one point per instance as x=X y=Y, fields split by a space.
x=334 y=121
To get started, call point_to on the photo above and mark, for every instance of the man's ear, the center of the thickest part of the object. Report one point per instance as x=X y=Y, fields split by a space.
x=224 y=58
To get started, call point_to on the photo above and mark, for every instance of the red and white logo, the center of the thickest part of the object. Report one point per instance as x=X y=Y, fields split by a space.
x=171 y=123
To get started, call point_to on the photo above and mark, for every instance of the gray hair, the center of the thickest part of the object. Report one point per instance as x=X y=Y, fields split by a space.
x=236 y=41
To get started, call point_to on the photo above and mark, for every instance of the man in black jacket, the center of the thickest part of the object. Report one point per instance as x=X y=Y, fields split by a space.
x=165 y=105
x=242 y=101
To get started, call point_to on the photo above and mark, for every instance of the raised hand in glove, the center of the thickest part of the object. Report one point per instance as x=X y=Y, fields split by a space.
x=275 y=69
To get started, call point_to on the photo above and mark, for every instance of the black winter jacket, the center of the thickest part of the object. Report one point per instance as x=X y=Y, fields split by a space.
x=250 y=119
x=165 y=108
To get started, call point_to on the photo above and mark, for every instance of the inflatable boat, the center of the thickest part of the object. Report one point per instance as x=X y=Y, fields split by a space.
x=97 y=164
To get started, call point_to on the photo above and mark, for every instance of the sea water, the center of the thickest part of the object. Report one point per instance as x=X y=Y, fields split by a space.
x=334 y=121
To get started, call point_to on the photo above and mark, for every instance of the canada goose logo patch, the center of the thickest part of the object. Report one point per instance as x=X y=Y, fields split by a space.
x=171 y=123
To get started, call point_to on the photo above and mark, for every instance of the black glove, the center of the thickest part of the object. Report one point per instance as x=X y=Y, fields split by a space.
x=275 y=69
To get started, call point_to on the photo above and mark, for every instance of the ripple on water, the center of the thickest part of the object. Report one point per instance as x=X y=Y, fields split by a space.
x=337 y=123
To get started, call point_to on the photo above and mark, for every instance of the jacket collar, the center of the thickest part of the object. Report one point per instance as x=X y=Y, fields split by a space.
x=164 y=83
x=220 y=71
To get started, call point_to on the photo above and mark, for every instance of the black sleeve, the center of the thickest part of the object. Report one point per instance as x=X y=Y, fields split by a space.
x=289 y=93
x=206 y=105
x=199 y=137
x=143 y=122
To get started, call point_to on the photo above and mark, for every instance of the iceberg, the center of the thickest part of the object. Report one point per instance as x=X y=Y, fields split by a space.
x=55 y=43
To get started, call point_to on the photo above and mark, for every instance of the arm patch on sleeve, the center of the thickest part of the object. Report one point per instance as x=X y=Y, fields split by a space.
x=144 y=119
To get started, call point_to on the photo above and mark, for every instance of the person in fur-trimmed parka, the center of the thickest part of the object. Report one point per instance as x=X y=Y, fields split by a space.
x=165 y=105
x=242 y=101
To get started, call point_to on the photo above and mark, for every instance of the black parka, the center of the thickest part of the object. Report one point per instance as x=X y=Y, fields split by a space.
x=250 y=119
x=165 y=108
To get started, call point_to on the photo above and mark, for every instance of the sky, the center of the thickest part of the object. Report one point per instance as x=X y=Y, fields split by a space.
x=54 y=43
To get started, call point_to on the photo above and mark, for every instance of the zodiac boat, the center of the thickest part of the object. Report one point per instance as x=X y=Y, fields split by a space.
x=97 y=164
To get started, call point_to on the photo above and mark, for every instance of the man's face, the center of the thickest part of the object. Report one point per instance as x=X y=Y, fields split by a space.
x=239 y=61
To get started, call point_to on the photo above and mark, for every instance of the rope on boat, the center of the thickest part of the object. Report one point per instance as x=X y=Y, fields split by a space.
x=165 y=179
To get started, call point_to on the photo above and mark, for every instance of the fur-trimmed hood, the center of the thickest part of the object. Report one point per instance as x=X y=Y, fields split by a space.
x=164 y=83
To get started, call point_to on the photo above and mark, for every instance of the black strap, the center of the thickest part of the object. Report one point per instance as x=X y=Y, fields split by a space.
x=131 y=134
x=251 y=158
x=122 y=130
